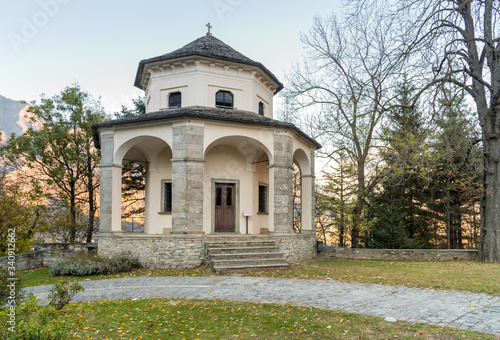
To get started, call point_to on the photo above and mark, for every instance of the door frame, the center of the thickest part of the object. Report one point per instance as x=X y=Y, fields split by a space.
x=236 y=183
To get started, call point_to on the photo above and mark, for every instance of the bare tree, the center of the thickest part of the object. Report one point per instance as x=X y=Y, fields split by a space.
x=460 y=42
x=346 y=86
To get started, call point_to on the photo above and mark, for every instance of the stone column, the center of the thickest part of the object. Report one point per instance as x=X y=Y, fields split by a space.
x=187 y=178
x=110 y=189
x=280 y=178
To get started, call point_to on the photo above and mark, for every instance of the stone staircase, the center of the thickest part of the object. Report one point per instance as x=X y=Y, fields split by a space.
x=239 y=256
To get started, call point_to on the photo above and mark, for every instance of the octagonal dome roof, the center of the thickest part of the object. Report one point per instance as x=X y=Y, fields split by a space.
x=206 y=46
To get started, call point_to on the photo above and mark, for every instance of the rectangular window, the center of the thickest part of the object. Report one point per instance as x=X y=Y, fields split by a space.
x=167 y=197
x=262 y=198
x=175 y=99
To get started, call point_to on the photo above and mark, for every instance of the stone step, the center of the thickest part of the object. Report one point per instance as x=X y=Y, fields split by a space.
x=235 y=244
x=244 y=256
x=252 y=267
x=236 y=250
x=248 y=261
x=225 y=256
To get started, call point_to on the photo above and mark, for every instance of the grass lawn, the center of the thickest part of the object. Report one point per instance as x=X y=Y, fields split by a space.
x=463 y=276
x=208 y=319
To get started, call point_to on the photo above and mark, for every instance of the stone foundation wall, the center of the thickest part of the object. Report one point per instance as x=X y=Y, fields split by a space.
x=399 y=254
x=46 y=253
x=299 y=247
x=155 y=251
x=170 y=252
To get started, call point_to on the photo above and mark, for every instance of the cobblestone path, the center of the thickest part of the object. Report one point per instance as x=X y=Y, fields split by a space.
x=480 y=312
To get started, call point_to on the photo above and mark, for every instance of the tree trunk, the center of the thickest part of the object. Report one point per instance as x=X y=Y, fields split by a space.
x=489 y=242
x=358 y=209
x=342 y=206
x=90 y=190
x=72 y=209
x=448 y=218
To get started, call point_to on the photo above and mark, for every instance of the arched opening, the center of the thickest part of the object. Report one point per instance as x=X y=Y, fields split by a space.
x=224 y=99
x=133 y=195
x=297 y=199
x=237 y=169
x=146 y=166
x=303 y=184
x=261 y=108
x=175 y=99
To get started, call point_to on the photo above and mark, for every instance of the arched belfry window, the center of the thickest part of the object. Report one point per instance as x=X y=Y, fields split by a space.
x=261 y=108
x=175 y=99
x=224 y=99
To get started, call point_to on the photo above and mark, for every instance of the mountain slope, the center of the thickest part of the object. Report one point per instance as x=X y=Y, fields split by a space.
x=11 y=117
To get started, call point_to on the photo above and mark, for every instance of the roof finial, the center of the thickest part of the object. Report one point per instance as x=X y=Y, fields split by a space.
x=209 y=27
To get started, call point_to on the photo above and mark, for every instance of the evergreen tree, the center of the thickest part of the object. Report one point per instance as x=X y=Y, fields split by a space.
x=139 y=109
x=457 y=169
x=397 y=208
x=335 y=202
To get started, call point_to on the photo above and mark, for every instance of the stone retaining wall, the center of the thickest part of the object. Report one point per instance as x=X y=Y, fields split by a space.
x=46 y=253
x=399 y=254
x=187 y=251
x=56 y=251
x=24 y=261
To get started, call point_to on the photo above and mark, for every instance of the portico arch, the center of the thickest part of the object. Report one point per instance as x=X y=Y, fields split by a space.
x=154 y=156
x=305 y=189
x=237 y=163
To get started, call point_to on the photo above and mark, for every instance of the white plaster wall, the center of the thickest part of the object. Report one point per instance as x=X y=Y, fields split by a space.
x=160 y=169
x=261 y=177
x=198 y=81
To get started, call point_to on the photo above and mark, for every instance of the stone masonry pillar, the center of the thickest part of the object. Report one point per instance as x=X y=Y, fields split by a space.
x=110 y=190
x=187 y=178
x=281 y=178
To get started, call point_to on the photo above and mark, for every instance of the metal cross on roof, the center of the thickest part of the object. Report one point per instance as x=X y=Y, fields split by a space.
x=209 y=27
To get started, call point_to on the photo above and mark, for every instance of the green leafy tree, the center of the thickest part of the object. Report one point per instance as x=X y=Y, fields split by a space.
x=58 y=147
x=19 y=214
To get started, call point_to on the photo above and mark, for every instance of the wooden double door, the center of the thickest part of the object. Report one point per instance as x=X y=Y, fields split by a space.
x=225 y=208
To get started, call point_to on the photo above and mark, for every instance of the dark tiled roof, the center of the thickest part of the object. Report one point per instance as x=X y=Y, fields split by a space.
x=206 y=46
x=211 y=113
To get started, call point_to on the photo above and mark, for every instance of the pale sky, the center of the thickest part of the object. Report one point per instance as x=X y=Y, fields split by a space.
x=46 y=45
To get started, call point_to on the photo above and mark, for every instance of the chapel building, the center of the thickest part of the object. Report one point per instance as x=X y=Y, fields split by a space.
x=219 y=167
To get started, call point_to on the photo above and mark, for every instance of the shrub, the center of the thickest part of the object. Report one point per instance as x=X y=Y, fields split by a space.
x=93 y=265
x=9 y=289
x=61 y=293
x=36 y=322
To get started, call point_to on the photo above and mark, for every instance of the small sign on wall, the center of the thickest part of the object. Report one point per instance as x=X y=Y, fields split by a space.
x=247 y=213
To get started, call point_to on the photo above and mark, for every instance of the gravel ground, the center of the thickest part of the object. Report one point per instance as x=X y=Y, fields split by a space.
x=479 y=312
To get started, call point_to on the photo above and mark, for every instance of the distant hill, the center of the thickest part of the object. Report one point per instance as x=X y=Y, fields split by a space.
x=11 y=117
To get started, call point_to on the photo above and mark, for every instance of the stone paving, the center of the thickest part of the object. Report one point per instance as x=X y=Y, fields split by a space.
x=479 y=312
